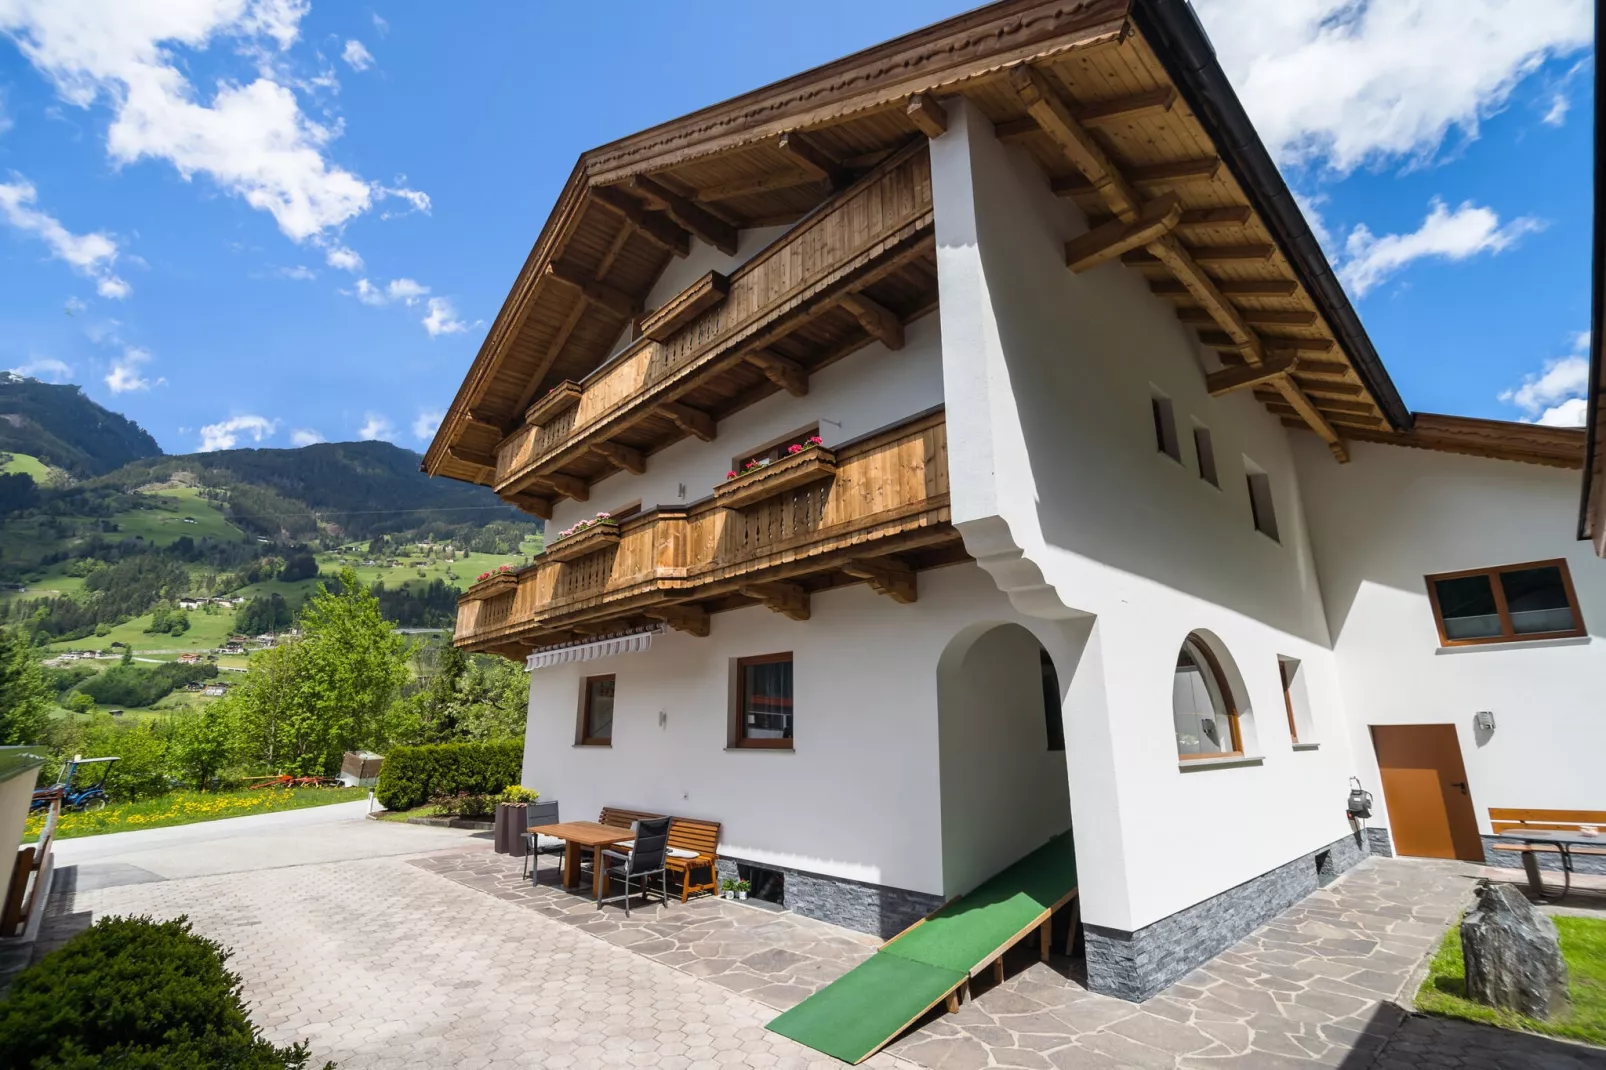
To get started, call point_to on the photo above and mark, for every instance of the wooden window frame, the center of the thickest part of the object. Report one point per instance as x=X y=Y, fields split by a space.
x=1508 y=634
x=1288 y=699
x=586 y=739
x=739 y=737
x=1214 y=667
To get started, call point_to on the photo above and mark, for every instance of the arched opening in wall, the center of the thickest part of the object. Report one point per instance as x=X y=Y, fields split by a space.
x=1001 y=752
x=1207 y=706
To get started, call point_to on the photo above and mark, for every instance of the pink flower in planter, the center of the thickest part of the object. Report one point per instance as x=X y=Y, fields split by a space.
x=731 y=474
x=816 y=440
x=484 y=576
x=795 y=448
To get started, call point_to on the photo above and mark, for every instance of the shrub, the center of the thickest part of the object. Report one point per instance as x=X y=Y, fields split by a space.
x=411 y=776
x=136 y=993
x=518 y=793
x=465 y=804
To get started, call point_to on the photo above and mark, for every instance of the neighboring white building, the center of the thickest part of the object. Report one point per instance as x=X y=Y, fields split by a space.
x=1147 y=549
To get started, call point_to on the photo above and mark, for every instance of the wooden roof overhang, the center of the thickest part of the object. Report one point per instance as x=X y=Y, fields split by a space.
x=1121 y=103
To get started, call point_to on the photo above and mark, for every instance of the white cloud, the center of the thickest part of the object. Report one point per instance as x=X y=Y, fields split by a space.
x=305 y=436
x=251 y=139
x=1556 y=396
x=91 y=255
x=1557 y=114
x=407 y=291
x=125 y=375
x=376 y=426
x=1346 y=83
x=1444 y=234
x=380 y=24
x=75 y=305
x=300 y=272
x=442 y=318
x=343 y=258
x=224 y=435
x=427 y=423
x=417 y=200
x=46 y=369
x=357 y=56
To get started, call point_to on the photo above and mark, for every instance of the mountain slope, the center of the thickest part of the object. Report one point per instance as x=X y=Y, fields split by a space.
x=62 y=427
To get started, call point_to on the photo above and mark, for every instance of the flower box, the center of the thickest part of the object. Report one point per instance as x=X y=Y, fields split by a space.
x=494 y=584
x=597 y=536
x=563 y=396
x=799 y=470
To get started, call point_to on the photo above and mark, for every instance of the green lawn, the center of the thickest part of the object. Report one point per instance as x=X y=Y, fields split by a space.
x=177 y=512
x=28 y=465
x=1583 y=945
x=188 y=807
x=427 y=810
x=207 y=632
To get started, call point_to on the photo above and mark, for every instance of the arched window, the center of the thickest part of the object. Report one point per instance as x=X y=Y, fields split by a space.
x=1202 y=705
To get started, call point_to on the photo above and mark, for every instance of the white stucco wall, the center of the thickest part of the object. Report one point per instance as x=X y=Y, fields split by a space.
x=863 y=392
x=859 y=797
x=1393 y=516
x=1063 y=496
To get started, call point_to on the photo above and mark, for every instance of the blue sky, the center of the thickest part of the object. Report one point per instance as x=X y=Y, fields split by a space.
x=266 y=222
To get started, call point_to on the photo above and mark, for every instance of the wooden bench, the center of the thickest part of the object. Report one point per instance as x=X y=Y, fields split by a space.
x=1507 y=820
x=686 y=834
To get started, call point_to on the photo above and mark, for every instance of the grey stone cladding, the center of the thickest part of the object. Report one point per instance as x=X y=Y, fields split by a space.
x=1547 y=859
x=867 y=908
x=1377 y=839
x=1136 y=965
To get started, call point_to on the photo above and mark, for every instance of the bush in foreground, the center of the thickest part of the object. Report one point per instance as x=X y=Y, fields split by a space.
x=411 y=776
x=135 y=993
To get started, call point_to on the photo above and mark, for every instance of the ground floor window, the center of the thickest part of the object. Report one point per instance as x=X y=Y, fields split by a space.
x=1201 y=705
x=764 y=701
x=596 y=712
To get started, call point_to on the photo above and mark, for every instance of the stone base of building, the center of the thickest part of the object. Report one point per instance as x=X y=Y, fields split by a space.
x=1377 y=838
x=1136 y=965
x=876 y=909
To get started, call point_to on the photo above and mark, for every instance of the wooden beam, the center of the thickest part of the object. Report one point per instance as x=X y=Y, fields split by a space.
x=787 y=599
x=553 y=351
x=568 y=486
x=482 y=418
x=1257 y=316
x=621 y=456
x=1229 y=287
x=806 y=152
x=1050 y=113
x=474 y=457
x=1307 y=411
x=742 y=187
x=1104 y=243
x=688 y=619
x=615 y=301
x=1104 y=111
x=886 y=575
x=1254 y=252
x=1146 y=174
x=690 y=420
x=695 y=218
x=877 y=320
x=786 y=374
x=1326 y=405
x=1227 y=380
x=1187 y=271
x=1196 y=218
x=654 y=226
x=927 y=115
x=1222 y=340
x=532 y=504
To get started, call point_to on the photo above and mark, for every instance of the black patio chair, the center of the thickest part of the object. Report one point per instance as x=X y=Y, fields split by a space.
x=645 y=860
x=534 y=848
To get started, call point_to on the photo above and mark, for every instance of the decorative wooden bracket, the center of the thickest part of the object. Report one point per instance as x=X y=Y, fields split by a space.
x=690 y=420
x=532 y=504
x=886 y=575
x=787 y=599
x=812 y=157
x=474 y=457
x=694 y=217
x=1104 y=243
x=786 y=374
x=621 y=456
x=877 y=320
x=568 y=486
x=1230 y=379
x=615 y=301
x=688 y=619
x=927 y=115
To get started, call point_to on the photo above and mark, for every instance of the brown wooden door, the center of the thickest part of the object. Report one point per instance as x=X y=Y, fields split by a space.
x=1425 y=786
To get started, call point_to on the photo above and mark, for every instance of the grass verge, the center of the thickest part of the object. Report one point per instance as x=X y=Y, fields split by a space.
x=1583 y=945
x=427 y=810
x=188 y=807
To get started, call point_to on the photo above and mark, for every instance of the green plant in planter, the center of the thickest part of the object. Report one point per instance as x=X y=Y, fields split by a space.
x=742 y=888
x=517 y=793
x=727 y=888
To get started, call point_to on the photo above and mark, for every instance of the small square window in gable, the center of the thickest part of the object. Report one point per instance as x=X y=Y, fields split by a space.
x=1165 y=426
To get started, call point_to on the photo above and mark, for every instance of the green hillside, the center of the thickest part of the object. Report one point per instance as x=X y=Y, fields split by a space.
x=61 y=427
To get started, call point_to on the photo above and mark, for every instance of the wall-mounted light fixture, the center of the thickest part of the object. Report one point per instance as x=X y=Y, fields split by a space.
x=1483 y=720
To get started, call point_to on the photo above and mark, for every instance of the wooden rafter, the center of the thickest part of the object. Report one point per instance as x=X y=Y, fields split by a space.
x=533 y=504
x=1116 y=191
x=1228 y=380
x=1224 y=340
x=615 y=301
x=1202 y=169
x=787 y=599
x=877 y=320
x=690 y=420
x=927 y=115
x=789 y=375
x=654 y=226
x=1102 y=112
x=473 y=457
x=568 y=486
x=762 y=183
x=813 y=158
x=886 y=575
x=621 y=457
x=690 y=215
x=1257 y=316
x=1230 y=287
x=689 y=619
x=1252 y=252
x=1103 y=244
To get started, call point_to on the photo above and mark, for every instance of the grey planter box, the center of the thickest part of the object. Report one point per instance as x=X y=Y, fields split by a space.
x=512 y=819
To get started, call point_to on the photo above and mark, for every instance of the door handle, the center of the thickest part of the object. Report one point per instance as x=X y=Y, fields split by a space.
x=1462 y=784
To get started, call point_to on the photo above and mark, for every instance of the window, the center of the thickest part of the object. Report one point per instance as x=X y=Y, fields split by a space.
x=596 y=712
x=1296 y=699
x=1053 y=715
x=1261 y=509
x=1500 y=605
x=764 y=701
x=1206 y=451
x=1202 y=706
x=780 y=449
x=1165 y=427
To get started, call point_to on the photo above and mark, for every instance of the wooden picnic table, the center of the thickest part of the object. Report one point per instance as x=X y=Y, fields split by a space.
x=578 y=834
x=1564 y=841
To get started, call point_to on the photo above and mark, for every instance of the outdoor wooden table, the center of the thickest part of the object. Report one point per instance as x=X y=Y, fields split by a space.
x=578 y=834
x=1563 y=841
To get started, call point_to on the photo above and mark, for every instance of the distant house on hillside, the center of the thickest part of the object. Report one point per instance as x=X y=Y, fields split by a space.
x=191 y=603
x=215 y=690
x=189 y=659
x=231 y=648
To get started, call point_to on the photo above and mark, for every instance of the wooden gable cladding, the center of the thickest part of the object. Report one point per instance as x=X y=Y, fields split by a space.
x=884 y=515
x=820 y=270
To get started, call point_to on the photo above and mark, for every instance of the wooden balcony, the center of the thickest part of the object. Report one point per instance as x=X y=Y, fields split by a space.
x=849 y=273
x=881 y=516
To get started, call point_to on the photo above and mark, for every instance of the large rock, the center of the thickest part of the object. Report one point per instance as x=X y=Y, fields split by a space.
x=1513 y=959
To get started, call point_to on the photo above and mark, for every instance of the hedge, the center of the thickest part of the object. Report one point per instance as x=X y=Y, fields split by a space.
x=411 y=776
x=139 y=994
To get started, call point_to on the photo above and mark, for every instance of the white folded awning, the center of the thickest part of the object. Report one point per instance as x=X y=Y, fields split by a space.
x=633 y=643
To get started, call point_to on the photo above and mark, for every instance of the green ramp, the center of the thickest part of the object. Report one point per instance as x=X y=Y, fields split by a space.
x=863 y=1010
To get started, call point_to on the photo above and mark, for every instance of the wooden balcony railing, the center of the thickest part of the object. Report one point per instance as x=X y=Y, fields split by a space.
x=889 y=494
x=824 y=258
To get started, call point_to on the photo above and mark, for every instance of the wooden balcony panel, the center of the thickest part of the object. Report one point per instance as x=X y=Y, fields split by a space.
x=890 y=490
x=841 y=245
